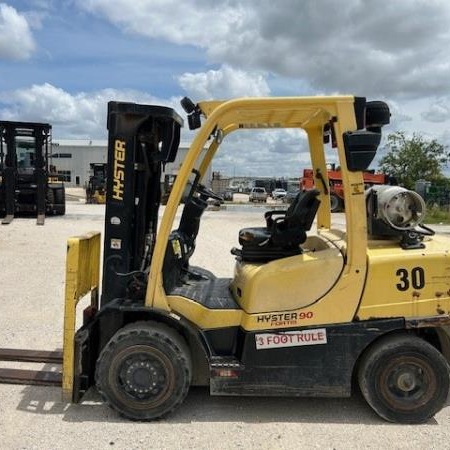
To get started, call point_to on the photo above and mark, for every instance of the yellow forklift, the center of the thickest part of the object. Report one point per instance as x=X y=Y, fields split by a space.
x=307 y=312
x=96 y=185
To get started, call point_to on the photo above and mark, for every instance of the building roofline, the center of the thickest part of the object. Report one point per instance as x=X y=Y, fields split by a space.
x=95 y=143
x=81 y=142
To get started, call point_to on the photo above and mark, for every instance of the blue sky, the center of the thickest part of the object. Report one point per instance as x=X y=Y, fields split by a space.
x=78 y=51
x=61 y=61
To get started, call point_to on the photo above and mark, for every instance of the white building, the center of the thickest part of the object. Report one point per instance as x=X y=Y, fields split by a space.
x=72 y=159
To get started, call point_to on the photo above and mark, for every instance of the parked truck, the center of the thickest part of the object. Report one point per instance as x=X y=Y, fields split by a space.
x=334 y=178
x=258 y=194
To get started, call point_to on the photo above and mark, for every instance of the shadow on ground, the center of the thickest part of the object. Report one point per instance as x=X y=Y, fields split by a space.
x=199 y=406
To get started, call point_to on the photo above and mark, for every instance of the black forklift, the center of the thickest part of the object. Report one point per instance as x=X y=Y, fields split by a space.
x=29 y=184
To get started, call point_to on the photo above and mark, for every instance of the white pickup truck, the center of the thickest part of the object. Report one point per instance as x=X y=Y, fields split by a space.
x=258 y=194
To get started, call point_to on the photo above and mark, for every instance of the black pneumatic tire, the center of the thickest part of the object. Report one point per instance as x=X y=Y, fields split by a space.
x=144 y=372
x=404 y=379
x=60 y=201
x=336 y=203
x=50 y=196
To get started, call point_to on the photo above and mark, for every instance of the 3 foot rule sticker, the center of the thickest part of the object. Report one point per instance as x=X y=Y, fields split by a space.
x=291 y=338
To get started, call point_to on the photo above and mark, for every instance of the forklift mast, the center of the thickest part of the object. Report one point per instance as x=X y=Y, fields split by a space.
x=141 y=140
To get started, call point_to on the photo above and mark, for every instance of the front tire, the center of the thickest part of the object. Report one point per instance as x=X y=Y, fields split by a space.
x=144 y=372
x=404 y=379
x=60 y=201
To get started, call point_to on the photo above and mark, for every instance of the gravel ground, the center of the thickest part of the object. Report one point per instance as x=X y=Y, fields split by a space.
x=32 y=262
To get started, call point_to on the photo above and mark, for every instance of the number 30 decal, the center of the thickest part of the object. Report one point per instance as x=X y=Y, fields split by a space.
x=416 y=278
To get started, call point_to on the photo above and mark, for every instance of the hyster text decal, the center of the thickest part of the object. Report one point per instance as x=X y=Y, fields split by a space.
x=291 y=338
x=284 y=319
x=119 y=172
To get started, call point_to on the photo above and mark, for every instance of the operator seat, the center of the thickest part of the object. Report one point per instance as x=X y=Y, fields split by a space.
x=283 y=233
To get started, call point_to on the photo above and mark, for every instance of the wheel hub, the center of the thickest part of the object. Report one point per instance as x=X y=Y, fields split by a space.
x=408 y=379
x=406 y=382
x=143 y=378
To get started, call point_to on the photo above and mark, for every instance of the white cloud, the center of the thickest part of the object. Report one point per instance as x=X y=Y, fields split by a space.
x=252 y=153
x=350 y=46
x=398 y=53
x=224 y=83
x=278 y=153
x=193 y=22
x=82 y=115
x=16 y=40
x=437 y=112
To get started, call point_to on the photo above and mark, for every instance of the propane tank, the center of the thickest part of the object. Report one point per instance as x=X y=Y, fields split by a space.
x=398 y=207
x=396 y=211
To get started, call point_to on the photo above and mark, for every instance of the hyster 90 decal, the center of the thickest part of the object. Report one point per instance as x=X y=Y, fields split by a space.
x=291 y=338
x=284 y=319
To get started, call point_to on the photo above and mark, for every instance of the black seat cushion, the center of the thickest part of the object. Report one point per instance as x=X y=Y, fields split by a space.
x=284 y=230
x=253 y=236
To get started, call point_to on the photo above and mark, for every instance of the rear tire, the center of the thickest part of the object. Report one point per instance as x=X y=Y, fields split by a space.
x=404 y=379
x=144 y=372
x=335 y=203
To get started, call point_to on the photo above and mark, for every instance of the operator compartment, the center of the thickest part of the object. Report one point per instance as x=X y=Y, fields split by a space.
x=278 y=266
x=280 y=261
x=181 y=279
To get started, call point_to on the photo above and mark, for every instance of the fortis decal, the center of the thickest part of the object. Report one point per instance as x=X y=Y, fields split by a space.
x=119 y=172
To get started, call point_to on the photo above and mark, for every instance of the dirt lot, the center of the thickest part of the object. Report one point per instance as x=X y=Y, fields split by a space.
x=31 y=309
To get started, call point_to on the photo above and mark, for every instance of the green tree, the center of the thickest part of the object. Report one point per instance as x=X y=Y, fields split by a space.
x=412 y=159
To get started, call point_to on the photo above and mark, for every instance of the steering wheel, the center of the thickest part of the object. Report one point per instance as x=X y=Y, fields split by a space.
x=206 y=193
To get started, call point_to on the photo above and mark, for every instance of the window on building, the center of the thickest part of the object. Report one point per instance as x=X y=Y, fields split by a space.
x=64 y=175
x=62 y=155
